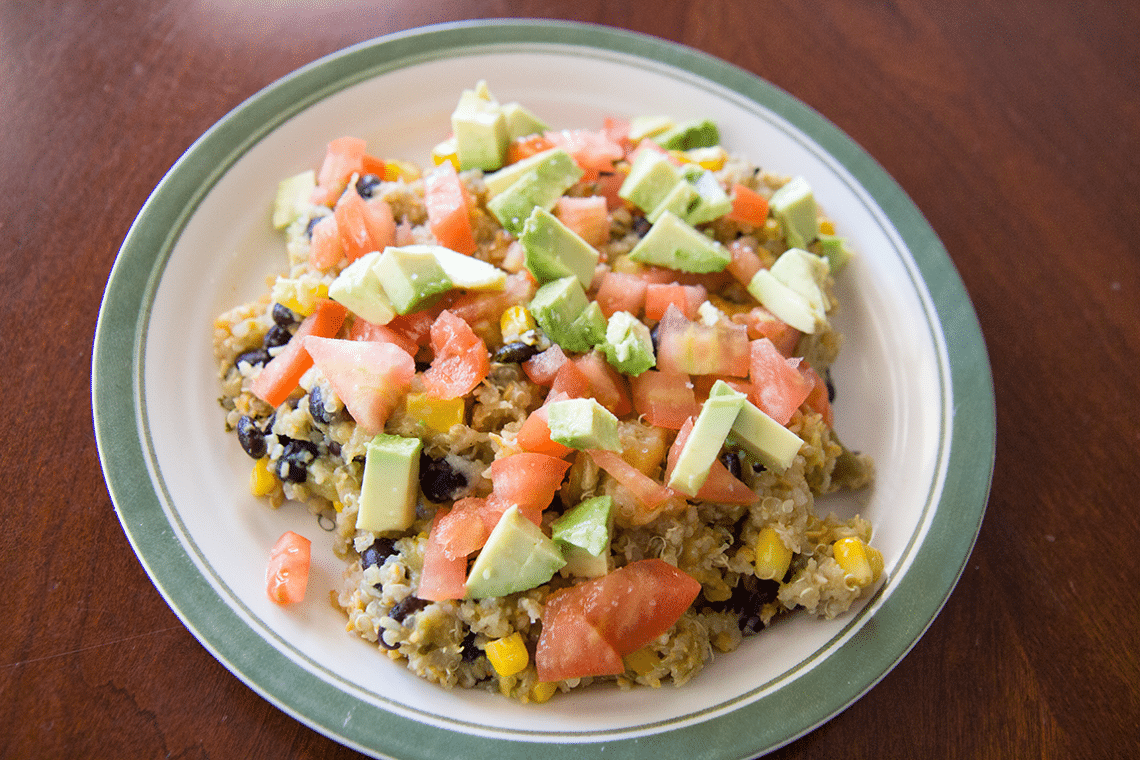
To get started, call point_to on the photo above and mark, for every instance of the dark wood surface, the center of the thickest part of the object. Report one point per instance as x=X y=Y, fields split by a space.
x=1014 y=126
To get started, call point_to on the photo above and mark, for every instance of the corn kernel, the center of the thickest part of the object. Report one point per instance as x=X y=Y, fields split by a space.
x=826 y=227
x=262 y=482
x=543 y=691
x=851 y=554
x=395 y=169
x=712 y=158
x=508 y=655
x=643 y=662
x=773 y=557
x=437 y=414
x=515 y=321
x=337 y=506
x=446 y=151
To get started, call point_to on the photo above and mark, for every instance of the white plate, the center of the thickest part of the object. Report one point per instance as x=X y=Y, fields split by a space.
x=914 y=388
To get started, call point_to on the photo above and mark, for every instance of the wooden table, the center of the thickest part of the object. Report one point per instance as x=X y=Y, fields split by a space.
x=1015 y=127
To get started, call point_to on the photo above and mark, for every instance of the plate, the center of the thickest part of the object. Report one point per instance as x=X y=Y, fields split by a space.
x=915 y=391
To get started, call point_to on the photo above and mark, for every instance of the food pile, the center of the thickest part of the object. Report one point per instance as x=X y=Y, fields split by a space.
x=565 y=393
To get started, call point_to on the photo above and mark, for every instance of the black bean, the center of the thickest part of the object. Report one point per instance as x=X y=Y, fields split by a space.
x=469 y=651
x=283 y=315
x=407 y=606
x=277 y=336
x=422 y=366
x=830 y=385
x=317 y=408
x=312 y=223
x=514 y=353
x=641 y=225
x=380 y=550
x=251 y=437
x=747 y=600
x=439 y=481
x=293 y=466
x=653 y=333
x=367 y=185
x=253 y=357
x=731 y=460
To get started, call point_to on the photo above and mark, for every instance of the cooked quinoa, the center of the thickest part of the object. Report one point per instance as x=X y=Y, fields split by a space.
x=309 y=449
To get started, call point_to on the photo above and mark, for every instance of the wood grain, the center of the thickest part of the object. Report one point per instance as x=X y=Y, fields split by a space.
x=1015 y=127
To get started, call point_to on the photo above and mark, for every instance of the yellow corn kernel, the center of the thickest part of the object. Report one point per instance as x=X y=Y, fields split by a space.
x=772 y=555
x=437 y=414
x=515 y=321
x=643 y=662
x=543 y=691
x=712 y=158
x=851 y=554
x=826 y=227
x=337 y=506
x=508 y=655
x=261 y=480
x=446 y=151
x=395 y=169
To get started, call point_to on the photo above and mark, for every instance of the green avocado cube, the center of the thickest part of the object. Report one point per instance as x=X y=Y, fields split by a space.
x=711 y=429
x=770 y=442
x=583 y=534
x=794 y=206
x=697 y=133
x=583 y=423
x=628 y=345
x=835 y=250
x=480 y=130
x=391 y=484
x=641 y=127
x=651 y=178
x=293 y=196
x=516 y=557
x=680 y=201
x=521 y=122
x=359 y=290
x=541 y=186
x=587 y=330
x=554 y=251
x=675 y=244
x=411 y=278
x=556 y=306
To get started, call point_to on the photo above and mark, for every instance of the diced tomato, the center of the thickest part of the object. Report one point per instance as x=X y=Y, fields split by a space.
x=778 y=386
x=414 y=327
x=627 y=609
x=818 y=399
x=381 y=223
x=447 y=208
x=528 y=480
x=702 y=385
x=594 y=152
x=720 y=485
x=462 y=531
x=534 y=435
x=571 y=381
x=687 y=298
x=586 y=216
x=442 y=577
x=745 y=262
x=364 y=330
x=617 y=130
x=542 y=367
x=370 y=378
x=325 y=248
x=698 y=349
x=369 y=164
x=665 y=399
x=607 y=185
x=287 y=574
x=525 y=147
x=570 y=647
x=762 y=323
x=651 y=495
x=461 y=359
x=363 y=226
x=280 y=376
x=748 y=206
x=343 y=158
x=482 y=309
x=621 y=292
x=607 y=385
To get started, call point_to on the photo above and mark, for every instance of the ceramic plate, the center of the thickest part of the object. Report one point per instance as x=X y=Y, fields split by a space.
x=914 y=386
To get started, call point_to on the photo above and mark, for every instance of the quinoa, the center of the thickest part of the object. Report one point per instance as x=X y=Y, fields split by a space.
x=314 y=452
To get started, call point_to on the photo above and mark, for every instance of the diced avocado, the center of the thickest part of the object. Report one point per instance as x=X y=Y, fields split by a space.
x=293 y=195
x=540 y=186
x=713 y=424
x=583 y=534
x=497 y=182
x=480 y=130
x=836 y=252
x=794 y=205
x=521 y=122
x=554 y=251
x=672 y=243
x=698 y=133
x=411 y=278
x=556 y=306
x=793 y=289
x=391 y=484
x=650 y=179
x=583 y=423
x=587 y=330
x=682 y=199
x=769 y=441
x=517 y=556
x=713 y=202
x=464 y=271
x=358 y=289
x=641 y=127
x=628 y=344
